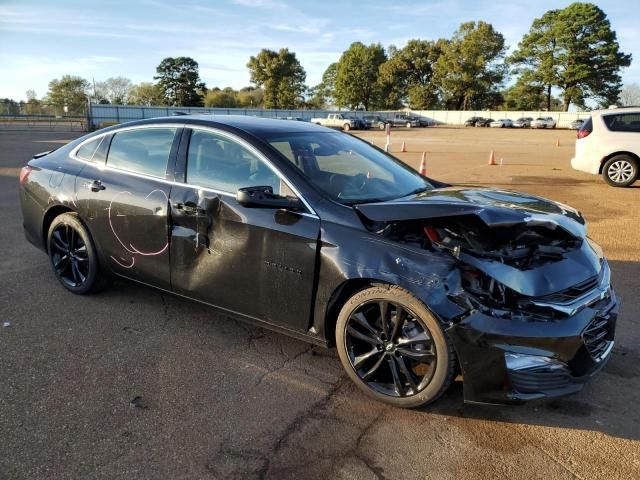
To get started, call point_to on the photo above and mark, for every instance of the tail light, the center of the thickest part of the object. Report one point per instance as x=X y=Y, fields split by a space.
x=24 y=174
x=583 y=133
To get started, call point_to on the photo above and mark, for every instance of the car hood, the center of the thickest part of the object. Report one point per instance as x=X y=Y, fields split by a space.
x=496 y=208
x=499 y=208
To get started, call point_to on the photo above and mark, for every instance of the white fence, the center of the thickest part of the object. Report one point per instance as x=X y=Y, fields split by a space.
x=101 y=115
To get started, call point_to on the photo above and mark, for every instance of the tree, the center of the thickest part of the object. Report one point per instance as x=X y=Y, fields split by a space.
x=470 y=70
x=179 y=81
x=323 y=93
x=356 y=79
x=281 y=76
x=406 y=78
x=114 y=90
x=33 y=105
x=575 y=50
x=69 y=91
x=250 y=97
x=146 y=93
x=221 y=98
x=630 y=95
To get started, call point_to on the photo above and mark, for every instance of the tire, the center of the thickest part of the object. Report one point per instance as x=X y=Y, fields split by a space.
x=620 y=170
x=382 y=126
x=419 y=345
x=346 y=127
x=408 y=125
x=81 y=273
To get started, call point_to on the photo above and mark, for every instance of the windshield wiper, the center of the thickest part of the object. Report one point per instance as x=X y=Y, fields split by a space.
x=417 y=191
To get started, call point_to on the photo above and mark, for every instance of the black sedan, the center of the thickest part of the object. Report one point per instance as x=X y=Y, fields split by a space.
x=321 y=236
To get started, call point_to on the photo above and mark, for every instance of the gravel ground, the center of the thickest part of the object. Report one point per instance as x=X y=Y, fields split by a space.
x=133 y=383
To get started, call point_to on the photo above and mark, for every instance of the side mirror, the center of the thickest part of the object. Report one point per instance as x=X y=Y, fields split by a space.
x=263 y=197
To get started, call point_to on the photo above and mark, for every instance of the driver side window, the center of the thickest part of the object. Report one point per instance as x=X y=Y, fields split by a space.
x=217 y=162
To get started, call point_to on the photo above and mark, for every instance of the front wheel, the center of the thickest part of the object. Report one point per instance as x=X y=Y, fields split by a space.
x=408 y=124
x=620 y=171
x=393 y=348
x=73 y=255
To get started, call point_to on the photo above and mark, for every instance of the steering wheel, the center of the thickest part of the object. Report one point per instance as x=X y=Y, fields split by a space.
x=355 y=185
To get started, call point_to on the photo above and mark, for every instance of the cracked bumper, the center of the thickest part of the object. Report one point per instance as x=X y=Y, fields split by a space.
x=507 y=361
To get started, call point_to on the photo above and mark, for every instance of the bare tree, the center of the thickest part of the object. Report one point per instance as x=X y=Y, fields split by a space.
x=630 y=95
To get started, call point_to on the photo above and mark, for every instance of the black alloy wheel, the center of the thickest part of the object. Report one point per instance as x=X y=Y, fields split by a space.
x=73 y=256
x=393 y=348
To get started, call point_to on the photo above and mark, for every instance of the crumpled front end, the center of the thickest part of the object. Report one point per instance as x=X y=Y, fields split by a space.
x=529 y=306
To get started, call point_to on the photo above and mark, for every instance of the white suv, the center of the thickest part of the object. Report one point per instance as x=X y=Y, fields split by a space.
x=546 y=122
x=609 y=144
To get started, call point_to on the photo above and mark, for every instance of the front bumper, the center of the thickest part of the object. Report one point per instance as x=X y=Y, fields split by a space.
x=508 y=360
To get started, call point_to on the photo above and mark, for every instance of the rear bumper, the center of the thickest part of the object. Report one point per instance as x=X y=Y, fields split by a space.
x=586 y=163
x=509 y=361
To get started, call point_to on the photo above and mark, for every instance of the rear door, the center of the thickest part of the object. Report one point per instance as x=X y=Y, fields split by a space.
x=126 y=202
x=253 y=261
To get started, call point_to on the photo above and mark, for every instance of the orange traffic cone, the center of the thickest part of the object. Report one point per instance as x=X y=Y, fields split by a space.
x=492 y=159
x=423 y=165
x=557 y=142
x=403 y=148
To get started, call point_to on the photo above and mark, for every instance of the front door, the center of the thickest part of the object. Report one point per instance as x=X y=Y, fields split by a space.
x=253 y=261
x=126 y=203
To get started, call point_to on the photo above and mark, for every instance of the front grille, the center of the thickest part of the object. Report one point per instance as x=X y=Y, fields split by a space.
x=576 y=291
x=539 y=379
x=596 y=336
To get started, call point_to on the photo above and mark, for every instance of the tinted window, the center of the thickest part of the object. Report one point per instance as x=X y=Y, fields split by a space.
x=144 y=150
x=91 y=151
x=219 y=163
x=626 y=122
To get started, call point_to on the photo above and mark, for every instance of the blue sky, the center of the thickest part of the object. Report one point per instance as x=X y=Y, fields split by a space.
x=41 y=40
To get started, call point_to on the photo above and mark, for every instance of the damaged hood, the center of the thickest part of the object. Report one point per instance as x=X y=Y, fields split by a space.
x=496 y=208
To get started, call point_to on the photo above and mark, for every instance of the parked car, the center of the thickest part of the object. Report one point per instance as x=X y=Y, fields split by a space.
x=359 y=123
x=543 y=122
x=376 y=121
x=522 y=122
x=471 y=121
x=501 y=123
x=337 y=120
x=405 y=120
x=323 y=237
x=483 y=122
x=608 y=144
x=576 y=124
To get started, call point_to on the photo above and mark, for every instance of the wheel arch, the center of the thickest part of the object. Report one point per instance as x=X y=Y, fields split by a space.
x=51 y=213
x=338 y=298
x=611 y=155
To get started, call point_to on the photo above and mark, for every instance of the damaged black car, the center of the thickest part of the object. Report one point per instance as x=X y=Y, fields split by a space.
x=321 y=236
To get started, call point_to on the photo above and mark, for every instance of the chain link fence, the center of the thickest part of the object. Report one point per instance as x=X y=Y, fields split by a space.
x=35 y=115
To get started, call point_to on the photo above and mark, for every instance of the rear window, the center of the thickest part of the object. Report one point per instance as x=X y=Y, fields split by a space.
x=622 y=122
x=92 y=151
x=144 y=150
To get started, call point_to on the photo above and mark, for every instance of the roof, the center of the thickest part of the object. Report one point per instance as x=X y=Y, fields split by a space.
x=616 y=110
x=257 y=126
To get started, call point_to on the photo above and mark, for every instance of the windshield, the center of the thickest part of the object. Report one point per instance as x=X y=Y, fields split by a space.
x=347 y=169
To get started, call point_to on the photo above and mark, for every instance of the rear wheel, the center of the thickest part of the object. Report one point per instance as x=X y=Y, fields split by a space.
x=393 y=348
x=73 y=255
x=620 y=171
x=382 y=126
x=346 y=127
x=408 y=124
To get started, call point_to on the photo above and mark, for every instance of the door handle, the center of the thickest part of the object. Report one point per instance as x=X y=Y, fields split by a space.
x=97 y=185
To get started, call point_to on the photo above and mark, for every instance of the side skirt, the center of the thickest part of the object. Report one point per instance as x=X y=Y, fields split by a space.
x=244 y=318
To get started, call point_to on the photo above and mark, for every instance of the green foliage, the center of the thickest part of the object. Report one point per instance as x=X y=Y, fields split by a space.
x=281 y=76
x=179 y=81
x=146 y=93
x=575 y=50
x=221 y=98
x=69 y=91
x=322 y=94
x=356 y=79
x=407 y=77
x=469 y=70
x=250 y=97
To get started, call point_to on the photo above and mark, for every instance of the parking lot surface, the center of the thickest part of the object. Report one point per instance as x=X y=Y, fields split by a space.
x=134 y=383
